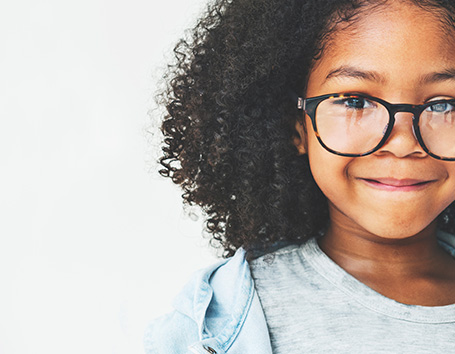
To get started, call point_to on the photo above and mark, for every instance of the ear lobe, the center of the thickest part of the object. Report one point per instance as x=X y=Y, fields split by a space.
x=300 y=139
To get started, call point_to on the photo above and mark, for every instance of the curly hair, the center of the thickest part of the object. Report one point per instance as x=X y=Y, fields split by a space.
x=229 y=128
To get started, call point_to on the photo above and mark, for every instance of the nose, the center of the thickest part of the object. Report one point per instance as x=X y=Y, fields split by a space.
x=402 y=141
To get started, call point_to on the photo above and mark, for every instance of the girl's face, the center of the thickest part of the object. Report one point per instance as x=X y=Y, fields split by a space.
x=393 y=53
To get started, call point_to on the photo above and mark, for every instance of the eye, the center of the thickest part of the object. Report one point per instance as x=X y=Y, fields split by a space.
x=440 y=107
x=355 y=103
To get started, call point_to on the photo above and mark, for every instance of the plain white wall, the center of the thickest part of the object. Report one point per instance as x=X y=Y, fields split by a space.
x=93 y=243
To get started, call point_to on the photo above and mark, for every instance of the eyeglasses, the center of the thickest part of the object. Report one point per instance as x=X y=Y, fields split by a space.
x=358 y=125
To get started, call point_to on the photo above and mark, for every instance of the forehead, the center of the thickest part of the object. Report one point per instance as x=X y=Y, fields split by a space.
x=396 y=41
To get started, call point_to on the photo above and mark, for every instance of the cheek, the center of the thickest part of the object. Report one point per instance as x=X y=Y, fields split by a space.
x=329 y=171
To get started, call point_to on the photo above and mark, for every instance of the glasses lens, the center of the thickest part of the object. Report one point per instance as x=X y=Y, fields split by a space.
x=351 y=124
x=437 y=128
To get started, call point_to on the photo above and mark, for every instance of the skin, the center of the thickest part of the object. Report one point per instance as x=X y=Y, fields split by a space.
x=383 y=229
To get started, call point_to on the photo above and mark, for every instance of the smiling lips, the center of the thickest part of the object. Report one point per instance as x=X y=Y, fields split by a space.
x=401 y=185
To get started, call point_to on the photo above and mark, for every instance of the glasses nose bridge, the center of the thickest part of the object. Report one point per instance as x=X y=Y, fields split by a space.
x=403 y=108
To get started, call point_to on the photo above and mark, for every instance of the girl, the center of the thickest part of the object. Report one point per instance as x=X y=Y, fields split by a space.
x=319 y=138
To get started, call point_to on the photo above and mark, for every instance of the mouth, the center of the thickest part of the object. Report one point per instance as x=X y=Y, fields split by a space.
x=393 y=184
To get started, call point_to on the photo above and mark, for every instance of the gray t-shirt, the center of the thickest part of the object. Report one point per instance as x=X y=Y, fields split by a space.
x=313 y=306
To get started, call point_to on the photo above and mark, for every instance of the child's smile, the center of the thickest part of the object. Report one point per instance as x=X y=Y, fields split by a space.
x=399 y=190
x=397 y=185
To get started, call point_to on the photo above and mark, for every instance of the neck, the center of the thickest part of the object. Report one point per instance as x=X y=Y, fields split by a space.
x=364 y=254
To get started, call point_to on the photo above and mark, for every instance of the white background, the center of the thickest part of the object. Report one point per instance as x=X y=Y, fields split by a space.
x=93 y=243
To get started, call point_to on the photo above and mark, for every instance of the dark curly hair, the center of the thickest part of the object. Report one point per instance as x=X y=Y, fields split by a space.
x=229 y=128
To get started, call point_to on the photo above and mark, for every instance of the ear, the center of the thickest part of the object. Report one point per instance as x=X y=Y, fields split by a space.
x=300 y=140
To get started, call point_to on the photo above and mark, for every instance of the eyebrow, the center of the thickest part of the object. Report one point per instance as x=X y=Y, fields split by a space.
x=436 y=77
x=351 y=72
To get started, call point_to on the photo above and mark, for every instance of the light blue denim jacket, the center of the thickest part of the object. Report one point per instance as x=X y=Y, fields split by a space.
x=217 y=312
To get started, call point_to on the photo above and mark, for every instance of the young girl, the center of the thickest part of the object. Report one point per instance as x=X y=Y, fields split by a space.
x=319 y=138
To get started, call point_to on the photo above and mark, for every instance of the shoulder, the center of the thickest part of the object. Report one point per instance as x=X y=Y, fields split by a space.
x=287 y=253
x=201 y=307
